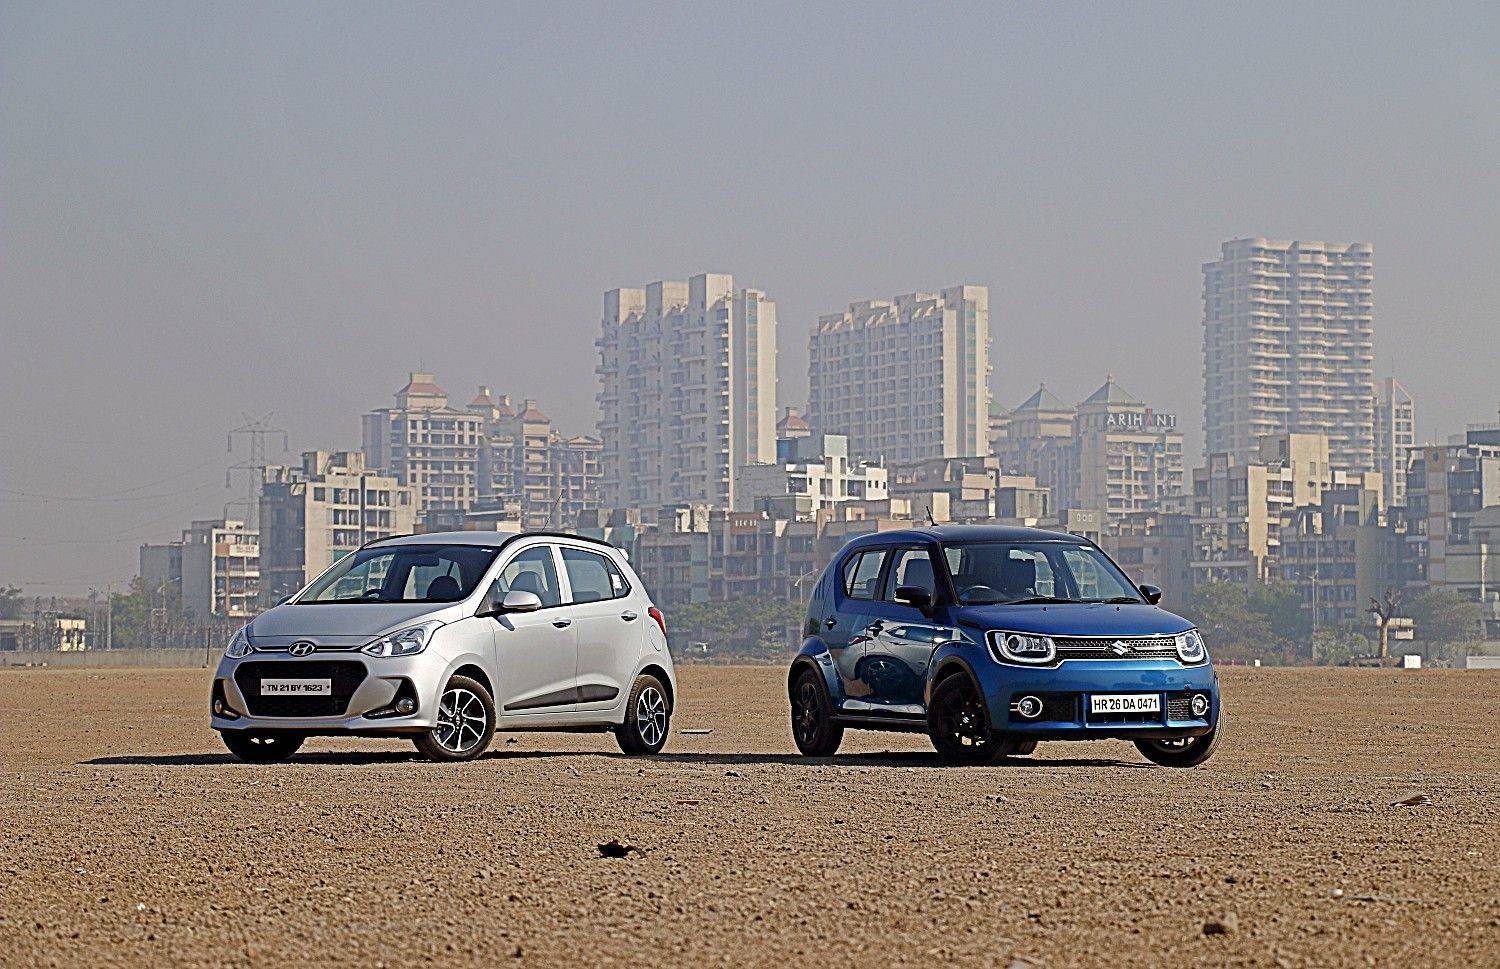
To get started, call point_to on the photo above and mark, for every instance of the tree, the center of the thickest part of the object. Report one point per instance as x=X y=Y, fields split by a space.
x=1384 y=610
x=12 y=603
x=1280 y=604
x=1333 y=645
x=1221 y=611
x=1443 y=619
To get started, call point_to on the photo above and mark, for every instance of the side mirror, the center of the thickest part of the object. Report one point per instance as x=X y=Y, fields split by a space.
x=914 y=595
x=513 y=601
x=517 y=600
x=1151 y=592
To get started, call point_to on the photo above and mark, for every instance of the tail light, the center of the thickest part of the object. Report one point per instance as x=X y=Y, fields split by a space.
x=661 y=620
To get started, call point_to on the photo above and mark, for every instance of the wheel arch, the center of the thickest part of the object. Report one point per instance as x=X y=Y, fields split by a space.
x=476 y=673
x=655 y=669
x=814 y=656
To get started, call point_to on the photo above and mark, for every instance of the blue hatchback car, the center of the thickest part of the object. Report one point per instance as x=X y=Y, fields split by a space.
x=991 y=639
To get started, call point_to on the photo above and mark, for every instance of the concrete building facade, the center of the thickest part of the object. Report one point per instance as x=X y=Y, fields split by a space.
x=214 y=567
x=1288 y=346
x=427 y=444
x=817 y=473
x=906 y=378
x=1395 y=435
x=313 y=515
x=687 y=390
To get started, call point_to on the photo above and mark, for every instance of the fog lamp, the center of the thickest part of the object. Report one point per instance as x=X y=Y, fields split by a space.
x=406 y=705
x=1200 y=704
x=1029 y=707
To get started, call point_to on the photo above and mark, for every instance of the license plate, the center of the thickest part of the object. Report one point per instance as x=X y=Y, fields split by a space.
x=1125 y=703
x=296 y=687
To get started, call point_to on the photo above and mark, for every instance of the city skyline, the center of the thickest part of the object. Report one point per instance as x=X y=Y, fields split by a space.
x=169 y=269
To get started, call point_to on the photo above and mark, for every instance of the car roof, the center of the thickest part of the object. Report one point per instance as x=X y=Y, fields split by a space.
x=965 y=533
x=500 y=539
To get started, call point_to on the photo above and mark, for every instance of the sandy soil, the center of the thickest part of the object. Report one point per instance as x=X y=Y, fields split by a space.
x=127 y=836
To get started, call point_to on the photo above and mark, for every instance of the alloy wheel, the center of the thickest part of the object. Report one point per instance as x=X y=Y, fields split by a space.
x=460 y=720
x=962 y=719
x=651 y=716
x=807 y=710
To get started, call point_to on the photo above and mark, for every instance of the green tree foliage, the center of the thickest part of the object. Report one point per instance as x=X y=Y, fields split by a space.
x=131 y=615
x=1444 y=621
x=745 y=630
x=1336 y=645
x=1266 y=623
x=12 y=603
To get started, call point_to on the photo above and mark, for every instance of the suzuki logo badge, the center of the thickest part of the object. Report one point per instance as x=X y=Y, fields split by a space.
x=302 y=648
x=1120 y=648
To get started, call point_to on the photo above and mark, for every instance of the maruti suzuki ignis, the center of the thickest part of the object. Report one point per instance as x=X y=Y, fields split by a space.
x=991 y=639
x=445 y=638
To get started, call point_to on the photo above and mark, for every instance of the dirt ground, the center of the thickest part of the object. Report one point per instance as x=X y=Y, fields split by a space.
x=127 y=836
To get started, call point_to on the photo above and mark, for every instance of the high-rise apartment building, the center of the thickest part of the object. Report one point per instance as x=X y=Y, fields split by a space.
x=427 y=444
x=528 y=469
x=214 y=567
x=1288 y=347
x=1395 y=436
x=1239 y=508
x=1112 y=453
x=313 y=515
x=687 y=390
x=906 y=378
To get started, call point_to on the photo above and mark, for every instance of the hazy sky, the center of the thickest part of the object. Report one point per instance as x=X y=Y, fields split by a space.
x=217 y=209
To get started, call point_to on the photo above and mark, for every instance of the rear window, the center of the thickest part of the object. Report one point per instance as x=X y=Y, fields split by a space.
x=594 y=577
x=862 y=574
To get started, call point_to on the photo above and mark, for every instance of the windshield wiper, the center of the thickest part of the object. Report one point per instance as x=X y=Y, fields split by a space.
x=1115 y=601
x=1034 y=600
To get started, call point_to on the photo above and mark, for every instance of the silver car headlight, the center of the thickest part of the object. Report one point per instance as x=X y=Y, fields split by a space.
x=240 y=644
x=1190 y=648
x=1027 y=648
x=406 y=642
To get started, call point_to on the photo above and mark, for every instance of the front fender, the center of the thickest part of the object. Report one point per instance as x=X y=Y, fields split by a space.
x=814 y=655
x=948 y=658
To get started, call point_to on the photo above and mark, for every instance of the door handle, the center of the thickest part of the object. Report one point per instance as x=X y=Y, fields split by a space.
x=628 y=616
x=562 y=623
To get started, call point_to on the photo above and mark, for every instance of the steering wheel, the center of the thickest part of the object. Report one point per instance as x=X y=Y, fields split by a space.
x=371 y=594
x=985 y=594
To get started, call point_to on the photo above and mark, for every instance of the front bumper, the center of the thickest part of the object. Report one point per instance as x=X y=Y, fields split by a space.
x=1066 y=690
x=364 y=689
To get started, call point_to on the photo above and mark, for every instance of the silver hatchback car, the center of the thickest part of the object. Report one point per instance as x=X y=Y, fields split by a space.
x=445 y=638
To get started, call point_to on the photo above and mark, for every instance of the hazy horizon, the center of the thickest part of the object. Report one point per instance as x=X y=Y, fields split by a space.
x=217 y=210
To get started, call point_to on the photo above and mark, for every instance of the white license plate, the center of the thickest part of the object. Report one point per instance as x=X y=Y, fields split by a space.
x=296 y=687
x=1125 y=703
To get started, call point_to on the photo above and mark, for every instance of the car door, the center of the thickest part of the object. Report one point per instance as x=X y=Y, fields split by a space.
x=536 y=653
x=899 y=638
x=856 y=588
x=607 y=623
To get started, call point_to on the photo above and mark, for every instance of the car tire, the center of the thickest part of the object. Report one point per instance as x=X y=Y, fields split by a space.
x=1173 y=753
x=1007 y=745
x=648 y=718
x=466 y=723
x=813 y=726
x=959 y=724
x=262 y=746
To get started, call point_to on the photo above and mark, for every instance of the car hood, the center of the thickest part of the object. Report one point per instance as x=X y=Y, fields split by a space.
x=1075 y=619
x=332 y=622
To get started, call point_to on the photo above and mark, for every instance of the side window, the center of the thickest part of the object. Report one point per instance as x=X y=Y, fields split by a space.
x=913 y=566
x=862 y=574
x=532 y=571
x=593 y=576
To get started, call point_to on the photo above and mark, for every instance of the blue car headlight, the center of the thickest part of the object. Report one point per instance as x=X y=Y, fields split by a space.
x=1026 y=648
x=405 y=642
x=1190 y=648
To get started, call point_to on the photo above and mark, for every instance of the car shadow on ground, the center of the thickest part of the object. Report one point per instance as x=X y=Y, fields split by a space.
x=907 y=759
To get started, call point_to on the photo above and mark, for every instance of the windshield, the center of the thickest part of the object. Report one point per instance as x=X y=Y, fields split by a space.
x=1016 y=572
x=403 y=573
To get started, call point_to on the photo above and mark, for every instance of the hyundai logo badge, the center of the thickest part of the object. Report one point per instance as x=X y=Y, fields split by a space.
x=302 y=648
x=1120 y=648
